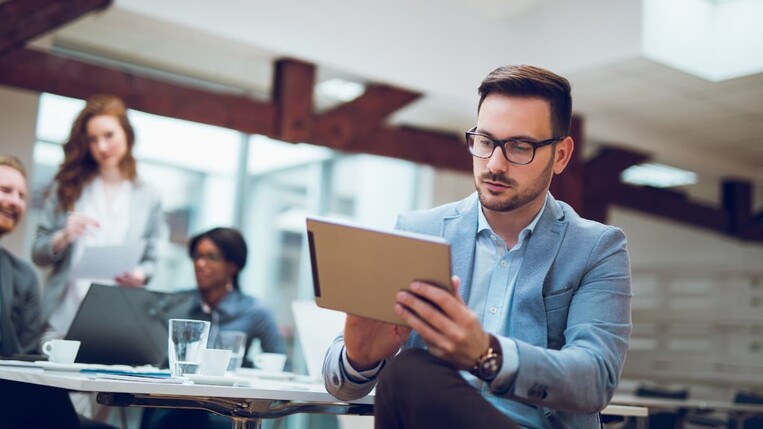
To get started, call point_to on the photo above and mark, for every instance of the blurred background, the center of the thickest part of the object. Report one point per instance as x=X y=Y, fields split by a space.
x=257 y=113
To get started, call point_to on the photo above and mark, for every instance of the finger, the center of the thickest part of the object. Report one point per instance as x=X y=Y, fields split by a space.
x=447 y=302
x=425 y=310
x=80 y=218
x=455 y=282
x=430 y=335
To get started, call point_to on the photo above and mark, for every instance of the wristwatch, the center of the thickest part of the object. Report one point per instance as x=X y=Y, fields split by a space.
x=489 y=363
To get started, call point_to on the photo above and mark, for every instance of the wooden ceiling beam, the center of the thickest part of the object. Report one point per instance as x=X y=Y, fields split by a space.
x=44 y=72
x=23 y=20
x=346 y=126
x=737 y=199
x=603 y=171
x=669 y=205
x=293 y=83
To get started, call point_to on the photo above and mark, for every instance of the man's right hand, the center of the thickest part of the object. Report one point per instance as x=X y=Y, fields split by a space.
x=368 y=341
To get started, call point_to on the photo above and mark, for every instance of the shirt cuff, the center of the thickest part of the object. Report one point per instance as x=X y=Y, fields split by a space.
x=508 y=373
x=359 y=376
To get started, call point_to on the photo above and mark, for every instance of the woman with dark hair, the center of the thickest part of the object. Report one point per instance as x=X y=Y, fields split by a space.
x=218 y=256
x=96 y=199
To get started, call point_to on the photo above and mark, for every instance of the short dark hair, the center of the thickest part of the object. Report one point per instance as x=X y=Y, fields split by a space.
x=231 y=244
x=14 y=163
x=533 y=82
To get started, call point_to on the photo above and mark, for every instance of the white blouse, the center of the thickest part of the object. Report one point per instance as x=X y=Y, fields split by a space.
x=114 y=220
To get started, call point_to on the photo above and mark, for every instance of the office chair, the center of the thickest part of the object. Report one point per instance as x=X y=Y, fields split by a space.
x=755 y=422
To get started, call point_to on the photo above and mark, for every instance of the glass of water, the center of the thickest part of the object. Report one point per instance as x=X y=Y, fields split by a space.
x=234 y=341
x=187 y=339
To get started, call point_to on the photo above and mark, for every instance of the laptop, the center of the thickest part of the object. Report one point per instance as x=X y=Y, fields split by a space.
x=359 y=270
x=125 y=325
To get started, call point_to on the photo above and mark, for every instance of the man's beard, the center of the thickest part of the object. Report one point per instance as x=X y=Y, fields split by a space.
x=521 y=197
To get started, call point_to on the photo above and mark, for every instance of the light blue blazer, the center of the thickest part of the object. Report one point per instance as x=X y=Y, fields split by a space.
x=570 y=316
x=146 y=220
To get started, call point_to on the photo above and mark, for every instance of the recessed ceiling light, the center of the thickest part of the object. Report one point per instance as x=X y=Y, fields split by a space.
x=658 y=176
x=340 y=89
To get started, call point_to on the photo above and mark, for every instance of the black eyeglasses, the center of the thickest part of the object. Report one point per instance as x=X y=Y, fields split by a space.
x=515 y=150
x=209 y=257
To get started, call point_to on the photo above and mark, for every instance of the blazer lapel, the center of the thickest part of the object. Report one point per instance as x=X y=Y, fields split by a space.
x=6 y=298
x=541 y=251
x=137 y=224
x=461 y=228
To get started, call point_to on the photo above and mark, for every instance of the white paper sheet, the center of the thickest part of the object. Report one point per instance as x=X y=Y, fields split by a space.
x=107 y=262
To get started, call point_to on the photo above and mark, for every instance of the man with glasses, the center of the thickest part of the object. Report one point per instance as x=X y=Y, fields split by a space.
x=537 y=332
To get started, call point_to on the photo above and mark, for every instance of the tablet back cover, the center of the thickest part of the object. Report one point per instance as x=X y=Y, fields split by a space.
x=359 y=270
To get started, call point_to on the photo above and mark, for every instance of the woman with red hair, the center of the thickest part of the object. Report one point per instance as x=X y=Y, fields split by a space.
x=96 y=199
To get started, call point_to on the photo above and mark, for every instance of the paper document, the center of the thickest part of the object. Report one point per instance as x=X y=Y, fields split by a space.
x=107 y=262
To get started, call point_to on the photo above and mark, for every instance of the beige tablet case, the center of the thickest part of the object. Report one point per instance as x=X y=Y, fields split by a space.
x=360 y=270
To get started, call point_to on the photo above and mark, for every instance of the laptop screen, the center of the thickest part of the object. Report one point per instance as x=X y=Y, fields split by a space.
x=125 y=325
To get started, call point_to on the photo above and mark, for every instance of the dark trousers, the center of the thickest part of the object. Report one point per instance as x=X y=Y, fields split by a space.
x=29 y=406
x=418 y=390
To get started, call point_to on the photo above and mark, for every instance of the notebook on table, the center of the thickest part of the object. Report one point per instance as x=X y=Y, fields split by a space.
x=125 y=325
x=359 y=270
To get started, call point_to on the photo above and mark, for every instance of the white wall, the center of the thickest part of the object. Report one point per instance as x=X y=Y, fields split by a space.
x=18 y=116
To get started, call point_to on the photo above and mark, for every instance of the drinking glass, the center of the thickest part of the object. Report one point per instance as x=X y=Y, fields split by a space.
x=187 y=339
x=234 y=341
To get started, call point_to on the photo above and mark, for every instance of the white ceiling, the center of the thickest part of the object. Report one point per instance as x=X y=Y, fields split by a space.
x=443 y=48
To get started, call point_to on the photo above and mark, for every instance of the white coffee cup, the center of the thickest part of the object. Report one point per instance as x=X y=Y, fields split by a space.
x=61 y=351
x=270 y=361
x=214 y=361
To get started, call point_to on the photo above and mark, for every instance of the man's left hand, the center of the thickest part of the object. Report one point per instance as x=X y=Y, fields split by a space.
x=452 y=331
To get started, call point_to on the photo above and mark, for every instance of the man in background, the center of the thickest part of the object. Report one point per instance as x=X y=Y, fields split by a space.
x=24 y=405
x=20 y=327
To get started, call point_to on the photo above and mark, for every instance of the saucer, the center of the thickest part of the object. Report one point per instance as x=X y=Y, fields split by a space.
x=217 y=380
x=55 y=366
x=271 y=375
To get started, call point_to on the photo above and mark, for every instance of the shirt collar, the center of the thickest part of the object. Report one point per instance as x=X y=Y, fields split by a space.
x=226 y=306
x=483 y=225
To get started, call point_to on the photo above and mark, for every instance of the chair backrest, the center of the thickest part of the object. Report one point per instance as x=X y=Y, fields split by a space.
x=748 y=398
x=316 y=328
x=664 y=419
x=754 y=422
x=659 y=392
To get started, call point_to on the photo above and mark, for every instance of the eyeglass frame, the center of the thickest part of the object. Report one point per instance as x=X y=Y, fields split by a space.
x=502 y=143
x=208 y=257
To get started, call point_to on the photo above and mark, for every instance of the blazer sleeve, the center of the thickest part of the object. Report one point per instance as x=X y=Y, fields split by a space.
x=335 y=378
x=29 y=326
x=153 y=230
x=582 y=375
x=52 y=219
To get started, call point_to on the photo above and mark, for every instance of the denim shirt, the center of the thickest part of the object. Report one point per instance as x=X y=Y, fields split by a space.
x=239 y=312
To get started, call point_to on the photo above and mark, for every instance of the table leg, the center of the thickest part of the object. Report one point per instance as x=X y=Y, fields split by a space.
x=244 y=423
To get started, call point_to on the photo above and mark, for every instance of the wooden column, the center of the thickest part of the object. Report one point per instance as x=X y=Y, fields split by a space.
x=568 y=186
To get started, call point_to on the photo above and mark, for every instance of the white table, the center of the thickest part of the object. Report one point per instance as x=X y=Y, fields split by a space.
x=246 y=406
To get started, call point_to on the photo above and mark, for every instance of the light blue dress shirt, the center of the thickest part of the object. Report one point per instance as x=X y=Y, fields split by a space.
x=493 y=279
x=494 y=276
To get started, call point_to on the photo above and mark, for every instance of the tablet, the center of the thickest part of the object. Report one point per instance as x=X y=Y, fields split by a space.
x=359 y=270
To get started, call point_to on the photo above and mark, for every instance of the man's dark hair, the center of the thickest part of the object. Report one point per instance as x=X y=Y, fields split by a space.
x=533 y=82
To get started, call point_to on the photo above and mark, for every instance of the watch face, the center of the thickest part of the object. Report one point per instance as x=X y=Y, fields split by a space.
x=488 y=367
